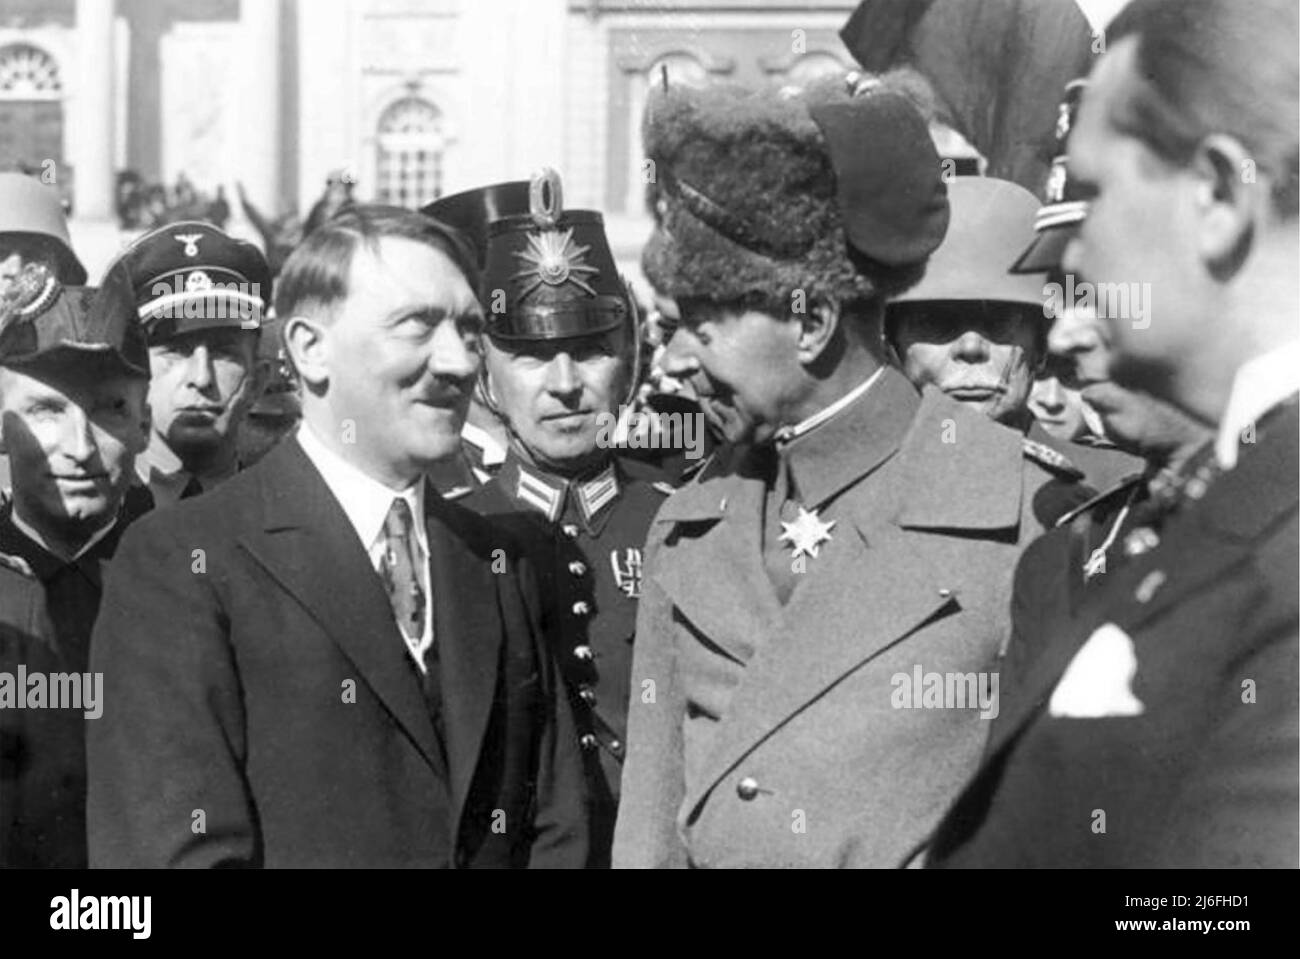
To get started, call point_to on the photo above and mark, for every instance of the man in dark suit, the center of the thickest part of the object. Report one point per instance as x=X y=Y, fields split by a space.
x=1155 y=722
x=74 y=372
x=322 y=663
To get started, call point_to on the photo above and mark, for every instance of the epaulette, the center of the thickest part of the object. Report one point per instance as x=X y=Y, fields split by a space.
x=1045 y=456
x=1114 y=492
x=17 y=564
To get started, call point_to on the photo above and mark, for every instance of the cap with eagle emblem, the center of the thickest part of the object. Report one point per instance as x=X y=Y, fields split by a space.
x=190 y=275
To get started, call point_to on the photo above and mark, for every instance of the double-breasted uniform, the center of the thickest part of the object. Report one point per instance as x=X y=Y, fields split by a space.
x=585 y=539
x=785 y=734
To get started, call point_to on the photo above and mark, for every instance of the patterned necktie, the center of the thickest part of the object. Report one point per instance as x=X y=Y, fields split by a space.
x=397 y=568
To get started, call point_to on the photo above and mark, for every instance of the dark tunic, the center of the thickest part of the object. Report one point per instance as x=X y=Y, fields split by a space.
x=46 y=621
x=585 y=540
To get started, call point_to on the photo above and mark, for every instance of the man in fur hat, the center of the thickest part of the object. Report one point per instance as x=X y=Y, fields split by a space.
x=822 y=612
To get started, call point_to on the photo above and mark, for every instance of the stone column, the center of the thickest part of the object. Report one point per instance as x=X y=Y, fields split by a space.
x=253 y=118
x=95 y=114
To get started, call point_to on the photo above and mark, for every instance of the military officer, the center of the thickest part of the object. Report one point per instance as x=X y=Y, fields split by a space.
x=73 y=378
x=1159 y=438
x=559 y=359
x=861 y=536
x=201 y=296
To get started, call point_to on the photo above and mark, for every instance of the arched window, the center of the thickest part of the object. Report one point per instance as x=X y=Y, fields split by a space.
x=31 y=110
x=28 y=73
x=411 y=143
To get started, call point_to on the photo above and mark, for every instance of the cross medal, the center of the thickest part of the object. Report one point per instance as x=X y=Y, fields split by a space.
x=806 y=534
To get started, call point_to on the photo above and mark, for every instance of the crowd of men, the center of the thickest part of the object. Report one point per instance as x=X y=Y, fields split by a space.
x=977 y=571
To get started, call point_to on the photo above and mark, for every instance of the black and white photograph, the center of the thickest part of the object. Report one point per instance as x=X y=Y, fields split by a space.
x=651 y=434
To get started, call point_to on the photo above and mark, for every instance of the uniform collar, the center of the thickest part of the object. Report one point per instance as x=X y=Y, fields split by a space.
x=850 y=438
x=545 y=492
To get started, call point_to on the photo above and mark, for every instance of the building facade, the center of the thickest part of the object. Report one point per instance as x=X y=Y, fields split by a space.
x=415 y=98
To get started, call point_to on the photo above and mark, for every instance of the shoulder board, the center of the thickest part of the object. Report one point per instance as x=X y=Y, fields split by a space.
x=1057 y=462
x=17 y=564
x=1123 y=486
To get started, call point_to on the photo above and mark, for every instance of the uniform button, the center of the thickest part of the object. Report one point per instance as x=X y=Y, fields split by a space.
x=588 y=741
x=569 y=530
x=588 y=695
x=747 y=788
x=580 y=608
x=615 y=745
x=583 y=653
x=577 y=568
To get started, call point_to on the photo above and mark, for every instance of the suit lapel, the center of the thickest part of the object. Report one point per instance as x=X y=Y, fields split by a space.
x=311 y=549
x=467 y=632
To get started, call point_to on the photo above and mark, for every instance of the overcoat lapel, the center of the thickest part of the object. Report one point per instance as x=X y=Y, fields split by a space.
x=716 y=577
x=791 y=670
x=308 y=546
x=872 y=553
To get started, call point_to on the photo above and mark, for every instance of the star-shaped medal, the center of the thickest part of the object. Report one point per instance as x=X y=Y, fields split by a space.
x=806 y=534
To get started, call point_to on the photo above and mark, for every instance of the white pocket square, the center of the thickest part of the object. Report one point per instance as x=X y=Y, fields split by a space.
x=1099 y=680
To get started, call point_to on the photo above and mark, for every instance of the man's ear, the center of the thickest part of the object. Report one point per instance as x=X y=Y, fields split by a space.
x=1229 y=202
x=817 y=326
x=305 y=340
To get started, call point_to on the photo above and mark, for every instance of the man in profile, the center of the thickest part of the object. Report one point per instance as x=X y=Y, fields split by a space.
x=1158 y=725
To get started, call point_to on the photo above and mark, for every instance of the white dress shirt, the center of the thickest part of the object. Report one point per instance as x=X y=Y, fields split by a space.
x=366 y=501
x=1259 y=385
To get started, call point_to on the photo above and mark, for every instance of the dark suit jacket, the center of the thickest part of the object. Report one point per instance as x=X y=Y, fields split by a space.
x=234 y=626
x=1206 y=774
